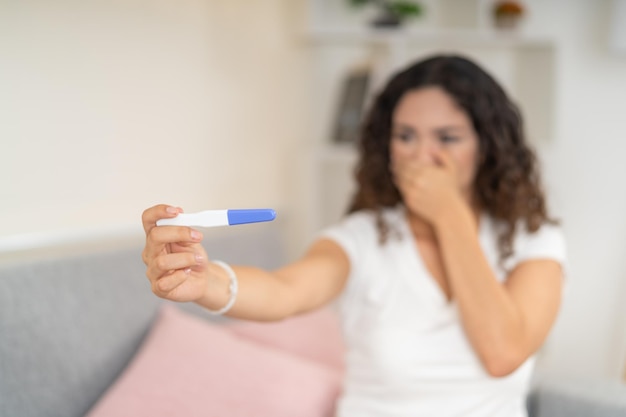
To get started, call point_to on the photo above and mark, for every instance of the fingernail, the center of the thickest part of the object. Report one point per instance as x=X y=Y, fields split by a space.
x=195 y=235
x=172 y=210
x=198 y=257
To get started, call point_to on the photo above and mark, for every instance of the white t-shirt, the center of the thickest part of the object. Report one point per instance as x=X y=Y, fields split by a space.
x=407 y=353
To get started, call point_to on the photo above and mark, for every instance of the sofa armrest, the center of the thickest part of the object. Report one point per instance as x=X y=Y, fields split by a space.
x=577 y=398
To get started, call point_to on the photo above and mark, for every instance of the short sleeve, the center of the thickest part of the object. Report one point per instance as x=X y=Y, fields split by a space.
x=344 y=235
x=350 y=233
x=548 y=242
x=354 y=234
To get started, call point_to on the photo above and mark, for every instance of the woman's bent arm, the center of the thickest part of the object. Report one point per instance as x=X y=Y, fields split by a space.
x=505 y=322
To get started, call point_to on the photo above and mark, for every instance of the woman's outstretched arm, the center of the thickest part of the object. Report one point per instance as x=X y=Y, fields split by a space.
x=179 y=269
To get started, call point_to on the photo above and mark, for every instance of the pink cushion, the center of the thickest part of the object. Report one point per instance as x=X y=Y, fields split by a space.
x=190 y=367
x=315 y=336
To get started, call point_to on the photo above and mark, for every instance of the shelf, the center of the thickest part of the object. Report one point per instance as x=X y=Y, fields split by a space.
x=523 y=64
x=461 y=37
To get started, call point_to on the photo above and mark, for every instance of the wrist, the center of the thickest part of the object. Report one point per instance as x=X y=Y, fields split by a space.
x=221 y=288
x=455 y=211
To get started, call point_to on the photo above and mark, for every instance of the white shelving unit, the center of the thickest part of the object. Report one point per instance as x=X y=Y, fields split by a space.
x=341 y=38
x=459 y=37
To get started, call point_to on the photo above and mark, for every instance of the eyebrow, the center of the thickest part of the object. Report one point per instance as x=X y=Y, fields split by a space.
x=402 y=126
x=445 y=129
x=439 y=130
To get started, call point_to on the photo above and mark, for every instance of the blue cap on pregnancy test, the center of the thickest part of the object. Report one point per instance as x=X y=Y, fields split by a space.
x=244 y=216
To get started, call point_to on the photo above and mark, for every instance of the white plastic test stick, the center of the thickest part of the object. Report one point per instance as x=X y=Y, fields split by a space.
x=215 y=218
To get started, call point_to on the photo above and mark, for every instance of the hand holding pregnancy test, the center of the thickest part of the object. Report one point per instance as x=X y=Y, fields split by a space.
x=216 y=218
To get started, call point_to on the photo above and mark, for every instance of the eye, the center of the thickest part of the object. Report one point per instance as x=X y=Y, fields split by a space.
x=403 y=136
x=448 y=139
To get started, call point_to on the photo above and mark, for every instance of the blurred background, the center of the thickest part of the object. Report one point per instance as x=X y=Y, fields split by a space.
x=109 y=107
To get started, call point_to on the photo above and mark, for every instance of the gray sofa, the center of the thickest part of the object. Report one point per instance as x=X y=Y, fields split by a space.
x=69 y=326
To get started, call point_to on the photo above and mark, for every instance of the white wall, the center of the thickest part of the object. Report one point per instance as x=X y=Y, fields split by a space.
x=110 y=107
x=585 y=170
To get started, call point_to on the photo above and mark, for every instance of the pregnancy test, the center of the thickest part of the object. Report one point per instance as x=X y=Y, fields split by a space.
x=215 y=218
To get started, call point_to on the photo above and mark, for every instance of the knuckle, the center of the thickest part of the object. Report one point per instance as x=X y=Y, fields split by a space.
x=161 y=263
x=166 y=285
x=152 y=234
x=155 y=289
x=150 y=274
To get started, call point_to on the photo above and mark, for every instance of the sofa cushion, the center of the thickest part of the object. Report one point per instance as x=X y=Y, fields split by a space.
x=191 y=367
x=315 y=336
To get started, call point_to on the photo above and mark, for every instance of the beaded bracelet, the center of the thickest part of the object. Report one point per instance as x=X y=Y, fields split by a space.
x=233 y=289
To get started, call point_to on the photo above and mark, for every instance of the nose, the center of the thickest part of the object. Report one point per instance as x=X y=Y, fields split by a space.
x=425 y=153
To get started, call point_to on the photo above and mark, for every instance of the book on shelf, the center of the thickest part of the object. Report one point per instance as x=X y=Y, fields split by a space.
x=351 y=105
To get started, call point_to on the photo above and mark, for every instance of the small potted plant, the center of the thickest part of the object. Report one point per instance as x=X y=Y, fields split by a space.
x=507 y=14
x=391 y=13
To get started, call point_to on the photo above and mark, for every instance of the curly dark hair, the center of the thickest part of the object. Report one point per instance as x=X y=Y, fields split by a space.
x=507 y=183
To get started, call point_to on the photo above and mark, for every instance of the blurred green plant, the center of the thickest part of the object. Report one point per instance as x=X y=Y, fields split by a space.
x=393 y=12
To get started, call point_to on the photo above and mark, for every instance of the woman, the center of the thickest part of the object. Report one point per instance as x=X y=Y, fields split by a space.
x=447 y=269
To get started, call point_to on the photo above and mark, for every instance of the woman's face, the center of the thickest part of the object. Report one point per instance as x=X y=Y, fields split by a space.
x=427 y=121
